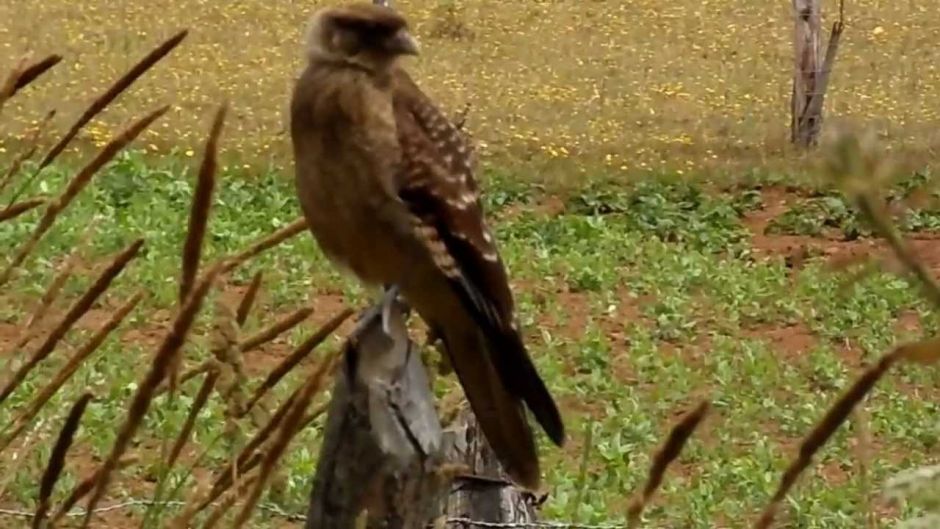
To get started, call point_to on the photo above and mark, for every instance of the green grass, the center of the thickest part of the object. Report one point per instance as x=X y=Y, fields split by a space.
x=637 y=300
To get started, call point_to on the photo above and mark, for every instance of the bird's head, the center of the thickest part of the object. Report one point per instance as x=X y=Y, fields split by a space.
x=360 y=34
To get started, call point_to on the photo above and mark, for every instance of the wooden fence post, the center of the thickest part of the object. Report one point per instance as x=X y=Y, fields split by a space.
x=386 y=462
x=811 y=70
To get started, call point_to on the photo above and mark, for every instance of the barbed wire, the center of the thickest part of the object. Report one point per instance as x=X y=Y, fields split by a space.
x=467 y=522
x=276 y=510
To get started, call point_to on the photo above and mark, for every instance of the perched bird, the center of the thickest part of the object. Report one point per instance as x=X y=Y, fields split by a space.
x=386 y=184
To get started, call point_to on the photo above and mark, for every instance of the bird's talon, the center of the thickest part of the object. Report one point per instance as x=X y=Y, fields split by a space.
x=389 y=298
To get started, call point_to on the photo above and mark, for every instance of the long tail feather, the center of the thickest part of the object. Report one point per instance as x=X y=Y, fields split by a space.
x=499 y=412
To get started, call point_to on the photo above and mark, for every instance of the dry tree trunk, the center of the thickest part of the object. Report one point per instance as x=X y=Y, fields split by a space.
x=811 y=70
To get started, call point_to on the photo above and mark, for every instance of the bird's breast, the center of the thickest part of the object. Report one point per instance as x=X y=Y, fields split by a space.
x=352 y=226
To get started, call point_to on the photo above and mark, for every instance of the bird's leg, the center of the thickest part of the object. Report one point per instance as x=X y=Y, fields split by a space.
x=388 y=298
x=382 y=309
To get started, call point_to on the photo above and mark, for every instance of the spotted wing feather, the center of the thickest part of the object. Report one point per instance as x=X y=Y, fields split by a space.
x=437 y=184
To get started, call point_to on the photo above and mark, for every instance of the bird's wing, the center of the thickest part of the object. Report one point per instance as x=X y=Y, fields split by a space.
x=437 y=184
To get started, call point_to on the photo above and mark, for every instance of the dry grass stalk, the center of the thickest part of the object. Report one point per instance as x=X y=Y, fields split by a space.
x=33 y=145
x=204 y=367
x=669 y=451
x=202 y=397
x=260 y=437
x=276 y=329
x=230 y=365
x=202 y=202
x=52 y=292
x=9 y=83
x=856 y=164
x=140 y=403
x=81 y=489
x=824 y=429
x=33 y=71
x=111 y=94
x=581 y=481
x=290 y=425
x=24 y=74
x=925 y=352
x=244 y=307
x=901 y=248
x=242 y=461
x=297 y=356
x=19 y=457
x=77 y=184
x=29 y=329
x=279 y=236
x=54 y=289
x=193 y=508
x=57 y=457
x=19 y=208
x=863 y=451
x=66 y=372
x=76 y=311
x=314 y=415
x=229 y=499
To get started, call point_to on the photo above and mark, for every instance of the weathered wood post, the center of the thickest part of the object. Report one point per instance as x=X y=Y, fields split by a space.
x=382 y=448
x=386 y=462
x=811 y=70
x=482 y=492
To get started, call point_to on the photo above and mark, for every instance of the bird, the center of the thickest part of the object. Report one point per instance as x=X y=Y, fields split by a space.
x=386 y=184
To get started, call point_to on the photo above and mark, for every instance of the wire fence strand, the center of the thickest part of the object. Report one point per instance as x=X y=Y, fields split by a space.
x=276 y=510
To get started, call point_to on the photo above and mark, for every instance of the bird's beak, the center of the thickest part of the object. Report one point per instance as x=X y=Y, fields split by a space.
x=403 y=43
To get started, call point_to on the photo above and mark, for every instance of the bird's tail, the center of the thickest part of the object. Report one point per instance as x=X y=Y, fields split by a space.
x=518 y=373
x=500 y=413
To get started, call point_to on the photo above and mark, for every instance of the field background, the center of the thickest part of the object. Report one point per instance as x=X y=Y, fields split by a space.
x=565 y=86
x=665 y=244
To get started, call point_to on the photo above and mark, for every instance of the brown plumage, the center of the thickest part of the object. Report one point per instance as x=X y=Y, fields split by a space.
x=386 y=184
